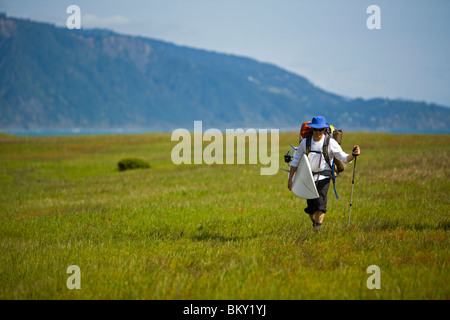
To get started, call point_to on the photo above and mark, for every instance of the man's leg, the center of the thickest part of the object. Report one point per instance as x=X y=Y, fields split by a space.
x=318 y=218
x=311 y=216
x=316 y=208
x=321 y=204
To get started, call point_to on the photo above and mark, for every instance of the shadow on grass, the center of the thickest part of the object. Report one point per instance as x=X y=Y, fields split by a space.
x=203 y=236
x=384 y=225
x=206 y=236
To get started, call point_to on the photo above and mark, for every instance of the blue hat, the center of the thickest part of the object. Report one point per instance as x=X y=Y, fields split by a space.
x=318 y=122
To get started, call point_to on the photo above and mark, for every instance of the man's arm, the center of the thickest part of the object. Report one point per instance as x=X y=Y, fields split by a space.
x=291 y=174
x=337 y=152
x=355 y=153
x=295 y=161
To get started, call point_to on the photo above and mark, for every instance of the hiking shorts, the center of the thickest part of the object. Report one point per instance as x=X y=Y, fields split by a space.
x=320 y=203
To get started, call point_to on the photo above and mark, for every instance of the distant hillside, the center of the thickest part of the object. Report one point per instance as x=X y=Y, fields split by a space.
x=55 y=78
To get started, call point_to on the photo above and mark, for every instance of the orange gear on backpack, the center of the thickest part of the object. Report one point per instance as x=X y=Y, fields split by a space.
x=305 y=129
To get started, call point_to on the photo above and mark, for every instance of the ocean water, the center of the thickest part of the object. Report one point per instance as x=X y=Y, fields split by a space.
x=73 y=132
x=81 y=132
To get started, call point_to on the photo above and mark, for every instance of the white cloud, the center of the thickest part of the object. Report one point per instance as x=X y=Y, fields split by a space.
x=92 y=21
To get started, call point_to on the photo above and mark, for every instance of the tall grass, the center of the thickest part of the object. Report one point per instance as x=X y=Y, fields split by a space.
x=219 y=231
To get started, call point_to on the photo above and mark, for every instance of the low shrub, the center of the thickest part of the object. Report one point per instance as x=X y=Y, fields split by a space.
x=132 y=163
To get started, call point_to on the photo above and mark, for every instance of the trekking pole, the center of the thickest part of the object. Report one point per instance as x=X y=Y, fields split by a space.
x=351 y=197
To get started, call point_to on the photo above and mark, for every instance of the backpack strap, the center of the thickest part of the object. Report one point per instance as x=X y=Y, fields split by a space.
x=308 y=142
x=330 y=173
x=327 y=173
x=308 y=146
x=327 y=159
x=325 y=147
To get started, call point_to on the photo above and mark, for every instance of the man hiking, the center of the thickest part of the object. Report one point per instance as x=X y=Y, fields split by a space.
x=316 y=208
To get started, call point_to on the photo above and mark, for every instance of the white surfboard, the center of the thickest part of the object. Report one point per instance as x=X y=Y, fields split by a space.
x=303 y=185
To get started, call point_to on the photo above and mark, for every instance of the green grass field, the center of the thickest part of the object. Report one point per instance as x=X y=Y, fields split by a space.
x=219 y=231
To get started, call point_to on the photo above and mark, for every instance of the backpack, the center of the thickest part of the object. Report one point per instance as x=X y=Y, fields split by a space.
x=337 y=166
x=306 y=132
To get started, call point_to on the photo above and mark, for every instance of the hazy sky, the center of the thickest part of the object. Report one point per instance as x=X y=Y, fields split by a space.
x=327 y=41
